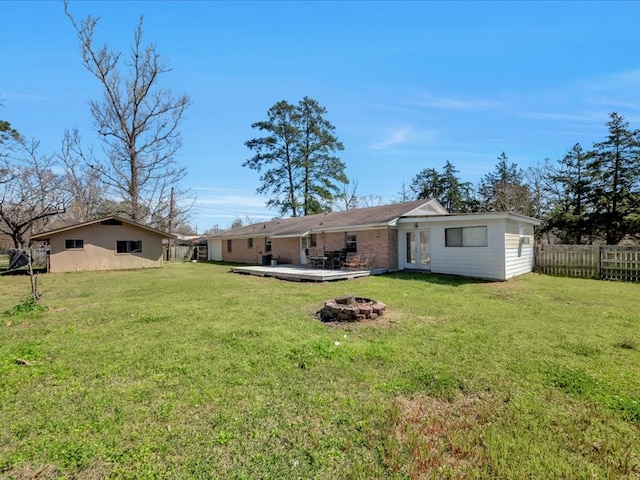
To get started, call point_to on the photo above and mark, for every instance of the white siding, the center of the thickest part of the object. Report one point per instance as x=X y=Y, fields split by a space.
x=509 y=250
x=519 y=242
x=480 y=262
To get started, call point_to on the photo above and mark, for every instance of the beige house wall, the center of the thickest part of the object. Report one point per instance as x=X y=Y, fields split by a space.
x=99 y=251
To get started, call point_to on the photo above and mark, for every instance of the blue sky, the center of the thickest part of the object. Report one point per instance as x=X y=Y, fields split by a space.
x=408 y=85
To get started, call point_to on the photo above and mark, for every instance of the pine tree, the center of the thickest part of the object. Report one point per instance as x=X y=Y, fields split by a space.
x=614 y=170
x=503 y=190
x=296 y=158
x=569 y=219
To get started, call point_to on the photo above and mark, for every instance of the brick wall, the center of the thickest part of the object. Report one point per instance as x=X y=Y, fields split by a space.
x=241 y=252
x=377 y=242
x=382 y=242
x=287 y=250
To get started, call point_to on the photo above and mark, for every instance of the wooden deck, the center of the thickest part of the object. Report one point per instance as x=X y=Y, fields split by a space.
x=300 y=274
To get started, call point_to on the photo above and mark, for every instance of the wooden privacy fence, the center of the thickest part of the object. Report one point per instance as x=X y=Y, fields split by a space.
x=184 y=253
x=589 y=261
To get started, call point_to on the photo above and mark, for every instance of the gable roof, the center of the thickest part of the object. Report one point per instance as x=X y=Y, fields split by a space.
x=359 y=218
x=46 y=235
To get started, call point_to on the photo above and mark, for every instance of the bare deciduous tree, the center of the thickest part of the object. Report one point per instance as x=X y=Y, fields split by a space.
x=32 y=196
x=370 y=200
x=82 y=182
x=347 y=196
x=138 y=123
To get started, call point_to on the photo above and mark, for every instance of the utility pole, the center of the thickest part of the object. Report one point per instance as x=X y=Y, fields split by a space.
x=171 y=213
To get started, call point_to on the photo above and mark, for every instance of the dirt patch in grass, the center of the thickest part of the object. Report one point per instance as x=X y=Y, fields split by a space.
x=96 y=471
x=389 y=319
x=433 y=438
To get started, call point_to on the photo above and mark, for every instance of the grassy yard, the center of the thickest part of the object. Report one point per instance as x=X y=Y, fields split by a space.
x=193 y=372
x=4 y=262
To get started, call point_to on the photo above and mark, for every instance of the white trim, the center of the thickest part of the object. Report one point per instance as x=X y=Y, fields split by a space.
x=470 y=216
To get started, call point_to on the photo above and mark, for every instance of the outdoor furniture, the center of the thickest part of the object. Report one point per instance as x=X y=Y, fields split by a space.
x=316 y=258
x=339 y=258
x=367 y=262
x=352 y=263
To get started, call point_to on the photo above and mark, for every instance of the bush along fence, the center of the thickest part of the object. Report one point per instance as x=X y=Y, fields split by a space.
x=589 y=261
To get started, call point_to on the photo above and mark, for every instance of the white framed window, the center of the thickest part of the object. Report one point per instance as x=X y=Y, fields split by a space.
x=70 y=243
x=351 y=240
x=466 y=236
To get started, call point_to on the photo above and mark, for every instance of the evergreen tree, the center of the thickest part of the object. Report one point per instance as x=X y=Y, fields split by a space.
x=456 y=195
x=446 y=187
x=295 y=157
x=277 y=154
x=323 y=173
x=614 y=171
x=503 y=190
x=427 y=184
x=569 y=219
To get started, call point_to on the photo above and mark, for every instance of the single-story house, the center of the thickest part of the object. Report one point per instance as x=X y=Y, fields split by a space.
x=110 y=243
x=418 y=235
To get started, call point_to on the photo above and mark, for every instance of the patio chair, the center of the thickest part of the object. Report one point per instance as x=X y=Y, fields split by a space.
x=352 y=263
x=363 y=262
x=315 y=258
x=339 y=259
x=368 y=262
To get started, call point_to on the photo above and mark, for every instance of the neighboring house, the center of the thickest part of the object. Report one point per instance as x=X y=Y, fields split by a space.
x=110 y=243
x=187 y=247
x=417 y=235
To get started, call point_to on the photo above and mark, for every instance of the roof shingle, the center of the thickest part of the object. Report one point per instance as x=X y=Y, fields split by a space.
x=360 y=217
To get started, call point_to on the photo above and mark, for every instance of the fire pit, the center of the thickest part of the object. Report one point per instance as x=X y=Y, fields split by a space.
x=351 y=309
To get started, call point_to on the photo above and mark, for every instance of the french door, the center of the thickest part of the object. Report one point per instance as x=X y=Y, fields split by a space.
x=417 y=249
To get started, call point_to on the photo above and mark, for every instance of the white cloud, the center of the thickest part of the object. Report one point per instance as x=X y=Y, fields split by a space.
x=401 y=136
x=457 y=104
x=557 y=116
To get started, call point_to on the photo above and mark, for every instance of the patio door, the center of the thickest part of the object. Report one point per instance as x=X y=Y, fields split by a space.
x=416 y=248
x=303 y=251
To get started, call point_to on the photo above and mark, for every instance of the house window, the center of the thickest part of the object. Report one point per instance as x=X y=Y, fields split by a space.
x=70 y=243
x=229 y=243
x=351 y=241
x=466 y=237
x=128 y=246
x=313 y=240
x=249 y=242
x=267 y=244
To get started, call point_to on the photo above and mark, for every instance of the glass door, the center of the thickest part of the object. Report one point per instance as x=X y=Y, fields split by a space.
x=410 y=248
x=425 y=255
x=417 y=249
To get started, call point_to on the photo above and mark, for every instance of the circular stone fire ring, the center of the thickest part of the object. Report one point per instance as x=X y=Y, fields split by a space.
x=351 y=309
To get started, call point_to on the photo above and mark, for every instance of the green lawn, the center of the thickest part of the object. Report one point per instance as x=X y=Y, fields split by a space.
x=190 y=371
x=4 y=261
